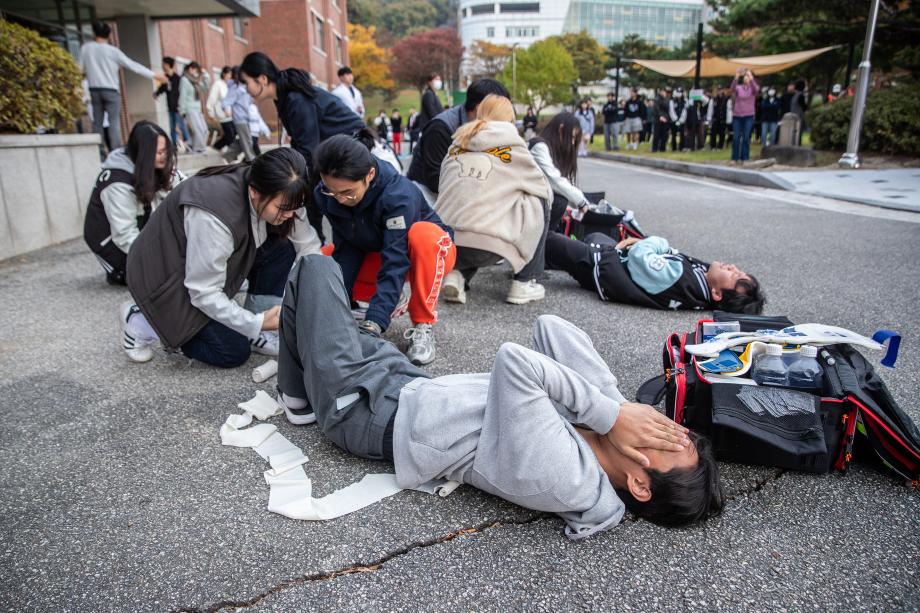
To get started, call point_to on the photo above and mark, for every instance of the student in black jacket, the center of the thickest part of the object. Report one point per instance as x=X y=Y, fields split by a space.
x=309 y=114
x=650 y=273
x=385 y=234
x=431 y=103
x=438 y=135
x=171 y=89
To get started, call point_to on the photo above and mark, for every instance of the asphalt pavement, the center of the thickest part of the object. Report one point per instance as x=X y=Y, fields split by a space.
x=116 y=494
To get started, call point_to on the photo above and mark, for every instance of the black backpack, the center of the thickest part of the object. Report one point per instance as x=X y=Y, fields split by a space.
x=854 y=410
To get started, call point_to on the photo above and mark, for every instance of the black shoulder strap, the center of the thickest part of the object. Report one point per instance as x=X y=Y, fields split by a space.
x=652 y=391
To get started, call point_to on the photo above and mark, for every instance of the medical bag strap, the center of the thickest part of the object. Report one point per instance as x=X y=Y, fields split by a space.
x=652 y=391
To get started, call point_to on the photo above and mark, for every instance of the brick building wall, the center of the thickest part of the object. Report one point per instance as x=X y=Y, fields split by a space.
x=287 y=31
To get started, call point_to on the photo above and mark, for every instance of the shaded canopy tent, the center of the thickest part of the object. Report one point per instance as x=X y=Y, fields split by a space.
x=715 y=66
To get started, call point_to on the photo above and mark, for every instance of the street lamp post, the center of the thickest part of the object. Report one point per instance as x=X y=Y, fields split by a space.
x=850 y=159
x=514 y=71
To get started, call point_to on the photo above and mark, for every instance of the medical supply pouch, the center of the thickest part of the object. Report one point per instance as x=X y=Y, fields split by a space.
x=813 y=431
x=605 y=219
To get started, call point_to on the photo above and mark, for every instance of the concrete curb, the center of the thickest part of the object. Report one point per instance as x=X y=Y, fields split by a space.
x=724 y=173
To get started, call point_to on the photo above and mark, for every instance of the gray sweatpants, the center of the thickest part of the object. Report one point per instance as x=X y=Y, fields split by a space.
x=243 y=142
x=106 y=100
x=351 y=379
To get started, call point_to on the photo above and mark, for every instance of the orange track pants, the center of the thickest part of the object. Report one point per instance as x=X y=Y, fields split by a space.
x=432 y=254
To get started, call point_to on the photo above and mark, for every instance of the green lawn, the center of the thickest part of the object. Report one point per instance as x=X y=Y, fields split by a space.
x=404 y=100
x=705 y=156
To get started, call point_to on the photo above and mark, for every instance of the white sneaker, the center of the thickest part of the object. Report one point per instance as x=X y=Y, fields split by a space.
x=453 y=287
x=421 y=344
x=522 y=292
x=300 y=416
x=266 y=343
x=138 y=350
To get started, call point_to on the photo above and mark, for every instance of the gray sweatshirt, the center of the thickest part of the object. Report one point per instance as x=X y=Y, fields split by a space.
x=100 y=62
x=510 y=432
x=122 y=208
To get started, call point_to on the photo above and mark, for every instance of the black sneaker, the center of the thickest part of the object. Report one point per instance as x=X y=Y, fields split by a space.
x=298 y=417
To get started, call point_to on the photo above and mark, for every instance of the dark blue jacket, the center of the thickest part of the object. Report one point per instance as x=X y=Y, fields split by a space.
x=309 y=121
x=380 y=222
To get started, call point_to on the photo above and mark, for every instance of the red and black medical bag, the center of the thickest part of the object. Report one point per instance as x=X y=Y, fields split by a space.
x=854 y=411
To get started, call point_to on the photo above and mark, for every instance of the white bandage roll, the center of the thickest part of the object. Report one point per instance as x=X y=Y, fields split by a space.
x=265 y=372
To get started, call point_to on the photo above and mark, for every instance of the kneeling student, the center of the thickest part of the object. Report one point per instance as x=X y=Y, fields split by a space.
x=545 y=429
x=649 y=272
x=209 y=236
x=134 y=181
x=384 y=234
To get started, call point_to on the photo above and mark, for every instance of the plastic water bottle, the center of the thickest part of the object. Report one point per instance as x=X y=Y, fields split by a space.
x=805 y=372
x=769 y=369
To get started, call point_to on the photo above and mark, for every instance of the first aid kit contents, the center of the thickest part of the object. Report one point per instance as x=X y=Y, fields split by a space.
x=769 y=392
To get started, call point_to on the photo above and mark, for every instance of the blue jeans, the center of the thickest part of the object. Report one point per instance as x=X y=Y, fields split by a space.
x=175 y=120
x=741 y=137
x=218 y=345
x=768 y=129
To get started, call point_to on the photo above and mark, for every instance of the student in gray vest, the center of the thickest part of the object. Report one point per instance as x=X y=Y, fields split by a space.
x=225 y=226
x=546 y=429
x=134 y=181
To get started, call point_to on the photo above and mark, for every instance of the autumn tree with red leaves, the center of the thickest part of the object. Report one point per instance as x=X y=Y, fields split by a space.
x=432 y=51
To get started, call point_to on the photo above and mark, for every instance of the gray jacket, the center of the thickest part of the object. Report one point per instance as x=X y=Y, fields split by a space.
x=510 y=433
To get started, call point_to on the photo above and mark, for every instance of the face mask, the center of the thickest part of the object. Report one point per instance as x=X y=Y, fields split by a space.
x=437 y=83
x=772 y=92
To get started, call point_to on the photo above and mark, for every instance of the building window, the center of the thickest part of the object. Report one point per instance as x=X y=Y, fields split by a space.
x=482 y=9
x=319 y=32
x=238 y=27
x=490 y=32
x=339 y=50
x=522 y=31
x=214 y=21
x=526 y=7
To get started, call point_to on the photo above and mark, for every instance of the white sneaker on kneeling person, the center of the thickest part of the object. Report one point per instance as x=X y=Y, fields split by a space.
x=453 y=287
x=266 y=343
x=522 y=292
x=136 y=336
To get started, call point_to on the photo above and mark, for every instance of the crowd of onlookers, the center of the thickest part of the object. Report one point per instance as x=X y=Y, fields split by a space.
x=731 y=116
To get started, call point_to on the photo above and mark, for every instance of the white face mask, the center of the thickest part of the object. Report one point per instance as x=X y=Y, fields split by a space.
x=771 y=93
x=437 y=83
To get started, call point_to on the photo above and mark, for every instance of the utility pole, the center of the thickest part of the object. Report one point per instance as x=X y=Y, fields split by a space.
x=514 y=72
x=616 y=91
x=850 y=159
x=699 y=55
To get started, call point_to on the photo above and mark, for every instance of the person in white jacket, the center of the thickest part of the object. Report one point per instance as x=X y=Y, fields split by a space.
x=348 y=93
x=257 y=127
x=496 y=198
x=216 y=109
x=133 y=182
x=555 y=151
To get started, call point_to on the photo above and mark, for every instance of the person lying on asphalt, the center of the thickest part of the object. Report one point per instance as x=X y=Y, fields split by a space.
x=649 y=272
x=546 y=429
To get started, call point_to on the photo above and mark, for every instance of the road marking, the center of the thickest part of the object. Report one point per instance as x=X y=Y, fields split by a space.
x=795 y=198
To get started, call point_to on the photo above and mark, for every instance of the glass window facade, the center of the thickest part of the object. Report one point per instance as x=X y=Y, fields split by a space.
x=522 y=31
x=66 y=22
x=525 y=7
x=319 y=32
x=482 y=9
x=666 y=24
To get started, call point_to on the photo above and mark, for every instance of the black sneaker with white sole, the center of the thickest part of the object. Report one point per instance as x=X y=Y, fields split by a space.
x=299 y=417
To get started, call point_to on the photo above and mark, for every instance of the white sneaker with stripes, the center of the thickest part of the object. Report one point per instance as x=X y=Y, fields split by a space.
x=266 y=343
x=138 y=349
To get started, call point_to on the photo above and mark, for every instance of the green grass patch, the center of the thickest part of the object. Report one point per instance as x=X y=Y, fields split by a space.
x=404 y=100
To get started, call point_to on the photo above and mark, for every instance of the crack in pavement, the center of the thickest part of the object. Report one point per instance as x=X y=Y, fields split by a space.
x=362 y=567
x=628 y=519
